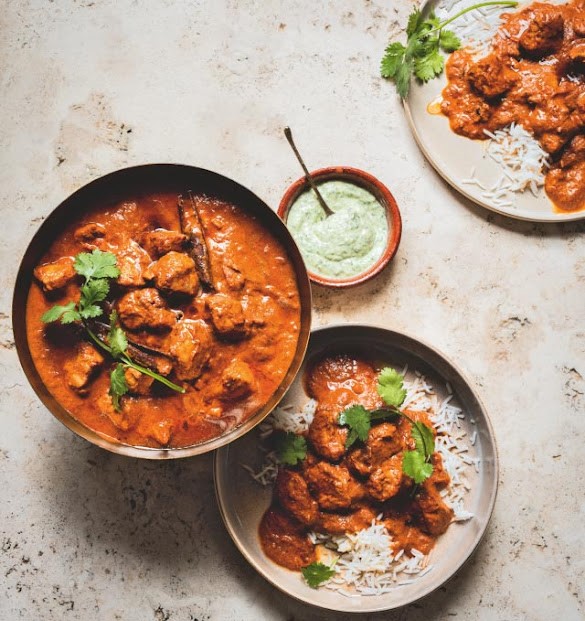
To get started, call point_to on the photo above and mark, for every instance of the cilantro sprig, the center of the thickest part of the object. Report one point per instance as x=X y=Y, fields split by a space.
x=391 y=387
x=290 y=448
x=415 y=464
x=421 y=56
x=317 y=573
x=118 y=385
x=358 y=419
x=98 y=268
x=117 y=347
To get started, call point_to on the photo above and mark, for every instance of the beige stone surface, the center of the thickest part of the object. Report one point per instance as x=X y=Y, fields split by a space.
x=92 y=86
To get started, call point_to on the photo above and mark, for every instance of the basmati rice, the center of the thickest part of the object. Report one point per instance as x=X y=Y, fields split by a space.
x=477 y=28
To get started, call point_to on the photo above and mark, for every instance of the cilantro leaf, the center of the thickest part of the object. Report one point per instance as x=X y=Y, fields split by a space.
x=448 y=41
x=96 y=264
x=93 y=291
x=390 y=387
x=402 y=78
x=290 y=448
x=392 y=60
x=118 y=385
x=424 y=439
x=417 y=463
x=91 y=312
x=429 y=66
x=415 y=466
x=430 y=23
x=317 y=573
x=67 y=314
x=421 y=55
x=357 y=418
x=414 y=21
x=421 y=48
x=117 y=337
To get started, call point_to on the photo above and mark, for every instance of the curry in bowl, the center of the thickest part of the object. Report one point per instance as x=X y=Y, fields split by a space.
x=166 y=319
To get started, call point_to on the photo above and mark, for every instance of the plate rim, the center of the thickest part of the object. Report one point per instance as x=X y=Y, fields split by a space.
x=526 y=216
x=222 y=453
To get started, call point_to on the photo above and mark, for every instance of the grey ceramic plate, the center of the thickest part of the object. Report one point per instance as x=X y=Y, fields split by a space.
x=242 y=501
x=454 y=157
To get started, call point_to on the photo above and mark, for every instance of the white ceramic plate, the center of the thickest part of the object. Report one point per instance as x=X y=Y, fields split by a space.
x=242 y=501
x=454 y=157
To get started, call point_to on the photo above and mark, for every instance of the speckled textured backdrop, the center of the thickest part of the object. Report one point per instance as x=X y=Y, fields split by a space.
x=89 y=87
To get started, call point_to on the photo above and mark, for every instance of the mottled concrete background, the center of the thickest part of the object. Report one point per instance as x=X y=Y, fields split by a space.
x=89 y=87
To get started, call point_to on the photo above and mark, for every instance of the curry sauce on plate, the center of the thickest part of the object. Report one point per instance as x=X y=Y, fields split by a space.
x=534 y=75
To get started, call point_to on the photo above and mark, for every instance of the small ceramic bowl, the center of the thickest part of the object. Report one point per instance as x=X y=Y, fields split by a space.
x=372 y=185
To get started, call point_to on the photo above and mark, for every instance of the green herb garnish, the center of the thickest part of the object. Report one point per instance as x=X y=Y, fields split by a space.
x=421 y=55
x=96 y=264
x=317 y=573
x=390 y=387
x=116 y=337
x=416 y=464
x=67 y=313
x=118 y=385
x=290 y=448
x=357 y=418
x=97 y=268
x=359 y=421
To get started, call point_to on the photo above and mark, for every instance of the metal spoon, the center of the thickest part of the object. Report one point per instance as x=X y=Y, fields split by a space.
x=324 y=206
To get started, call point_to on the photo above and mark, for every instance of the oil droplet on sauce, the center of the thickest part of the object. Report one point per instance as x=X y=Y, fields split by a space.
x=435 y=106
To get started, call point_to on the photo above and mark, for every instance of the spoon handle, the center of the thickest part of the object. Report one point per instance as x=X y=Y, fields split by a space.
x=311 y=182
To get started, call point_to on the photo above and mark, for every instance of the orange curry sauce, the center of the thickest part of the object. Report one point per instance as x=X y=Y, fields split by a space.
x=229 y=348
x=335 y=490
x=534 y=75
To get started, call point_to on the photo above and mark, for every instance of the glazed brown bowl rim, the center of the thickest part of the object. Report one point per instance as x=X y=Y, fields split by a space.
x=114 y=184
x=367 y=181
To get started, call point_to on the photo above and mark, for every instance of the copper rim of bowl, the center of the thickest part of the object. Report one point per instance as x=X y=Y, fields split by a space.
x=384 y=196
x=116 y=186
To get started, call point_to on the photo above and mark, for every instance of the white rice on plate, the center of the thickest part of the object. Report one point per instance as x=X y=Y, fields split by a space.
x=364 y=562
x=522 y=160
x=516 y=151
x=476 y=28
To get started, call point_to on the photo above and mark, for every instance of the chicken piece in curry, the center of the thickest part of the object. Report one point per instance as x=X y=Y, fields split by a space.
x=335 y=490
x=207 y=298
x=534 y=76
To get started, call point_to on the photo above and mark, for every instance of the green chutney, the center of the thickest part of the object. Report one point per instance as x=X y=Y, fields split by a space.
x=346 y=243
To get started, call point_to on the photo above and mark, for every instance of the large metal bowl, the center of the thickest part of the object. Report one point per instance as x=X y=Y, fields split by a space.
x=117 y=186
